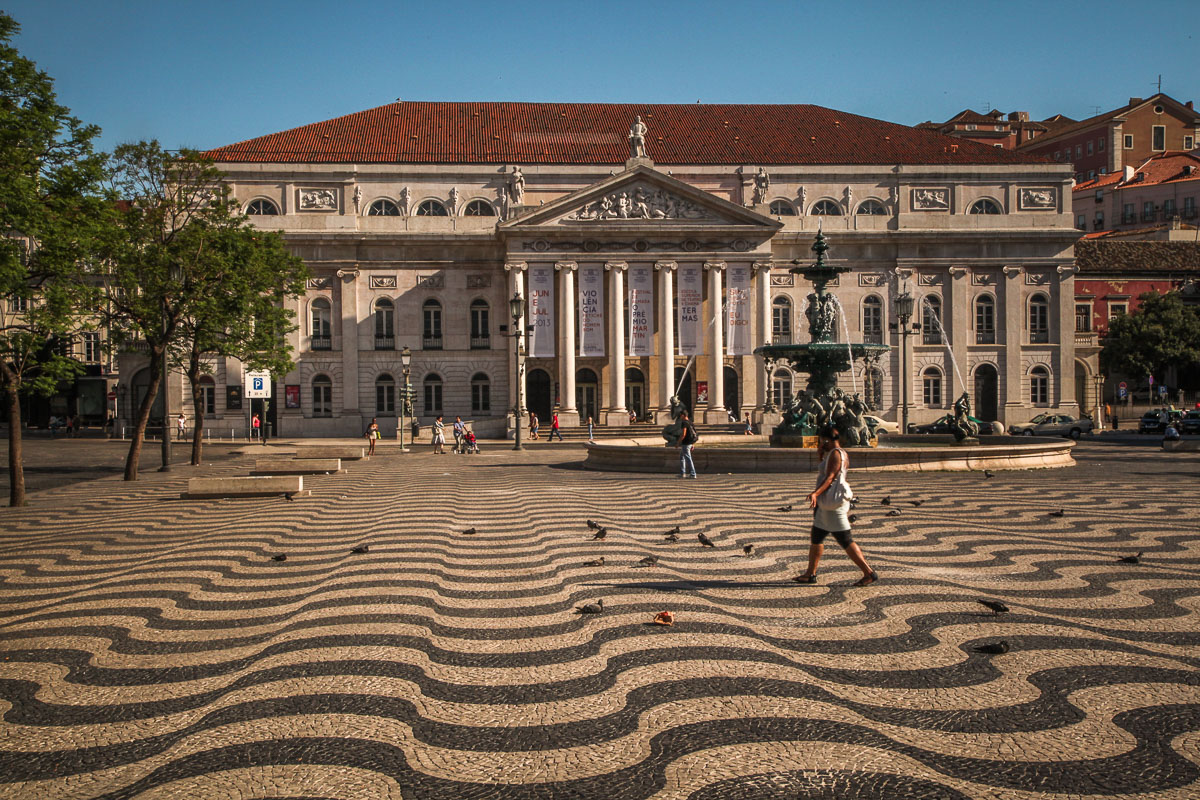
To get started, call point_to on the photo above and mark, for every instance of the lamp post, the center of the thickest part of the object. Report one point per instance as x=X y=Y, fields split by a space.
x=516 y=309
x=405 y=362
x=903 y=305
x=1100 y=419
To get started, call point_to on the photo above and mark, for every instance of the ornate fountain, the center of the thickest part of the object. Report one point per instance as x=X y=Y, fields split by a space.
x=821 y=402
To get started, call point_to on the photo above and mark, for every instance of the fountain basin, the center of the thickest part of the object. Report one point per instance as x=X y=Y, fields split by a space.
x=742 y=454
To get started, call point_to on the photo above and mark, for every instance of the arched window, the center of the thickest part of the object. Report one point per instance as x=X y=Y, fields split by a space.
x=872 y=208
x=781 y=388
x=431 y=208
x=385 y=394
x=825 y=208
x=1039 y=386
x=322 y=396
x=873 y=388
x=433 y=394
x=479 y=208
x=1039 y=319
x=480 y=329
x=782 y=208
x=262 y=208
x=208 y=396
x=385 y=324
x=432 y=335
x=985 y=319
x=481 y=394
x=781 y=320
x=383 y=208
x=985 y=206
x=931 y=387
x=321 y=330
x=872 y=319
x=931 y=319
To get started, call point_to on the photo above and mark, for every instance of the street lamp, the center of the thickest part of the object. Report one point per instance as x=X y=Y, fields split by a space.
x=405 y=362
x=903 y=305
x=516 y=309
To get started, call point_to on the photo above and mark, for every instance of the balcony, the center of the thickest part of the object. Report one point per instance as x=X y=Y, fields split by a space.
x=1039 y=337
x=1189 y=212
x=385 y=343
x=985 y=336
x=930 y=337
x=322 y=343
x=873 y=337
x=1085 y=339
x=781 y=337
x=1148 y=216
x=431 y=342
x=481 y=342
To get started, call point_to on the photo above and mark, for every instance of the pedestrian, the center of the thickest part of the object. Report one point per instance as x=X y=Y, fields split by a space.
x=69 y=426
x=1171 y=434
x=687 y=440
x=590 y=439
x=372 y=434
x=533 y=425
x=439 y=436
x=830 y=502
x=460 y=437
x=749 y=431
x=255 y=427
x=181 y=425
x=554 y=427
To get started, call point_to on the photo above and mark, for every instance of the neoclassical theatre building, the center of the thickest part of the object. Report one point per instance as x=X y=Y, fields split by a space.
x=651 y=244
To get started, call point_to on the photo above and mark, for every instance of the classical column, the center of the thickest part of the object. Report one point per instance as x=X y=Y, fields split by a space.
x=666 y=338
x=568 y=413
x=516 y=285
x=762 y=328
x=350 y=322
x=716 y=346
x=617 y=413
x=1068 y=402
x=1014 y=326
x=959 y=331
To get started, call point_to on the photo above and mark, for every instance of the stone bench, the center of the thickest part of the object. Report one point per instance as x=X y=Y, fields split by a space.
x=297 y=466
x=1181 y=444
x=343 y=452
x=256 y=486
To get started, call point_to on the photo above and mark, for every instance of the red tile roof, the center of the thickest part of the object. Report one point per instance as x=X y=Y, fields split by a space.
x=595 y=133
x=1168 y=167
x=1070 y=127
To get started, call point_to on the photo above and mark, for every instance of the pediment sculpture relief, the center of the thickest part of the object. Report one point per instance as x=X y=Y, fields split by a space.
x=640 y=203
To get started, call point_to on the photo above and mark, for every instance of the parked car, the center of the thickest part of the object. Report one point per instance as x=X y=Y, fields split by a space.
x=880 y=425
x=1053 y=425
x=943 y=426
x=1191 y=422
x=1156 y=421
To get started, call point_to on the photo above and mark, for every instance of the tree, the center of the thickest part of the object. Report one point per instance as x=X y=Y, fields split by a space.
x=1161 y=333
x=49 y=207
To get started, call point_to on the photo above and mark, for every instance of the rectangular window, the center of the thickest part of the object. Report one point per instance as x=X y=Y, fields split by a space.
x=1079 y=151
x=433 y=398
x=1098 y=223
x=1188 y=143
x=1099 y=195
x=1039 y=322
x=18 y=305
x=932 y=391
x=1091 y=174
x=1168 y=208
x=1081 y=222
x=322 y=400
x=1117 y=309
x=781 y=323
x=1128 y=215
x=385 y=397
x=1039 y=390
x=481 y=398
x=1147 y=211
x=480 y=332
x=208 y=399
x=781 y=392
x=873 y=323
x=1189 y=207
x=1083 y=317
x=985 y=321
x=1090 y=147
x=1158 y=137
x=91 y=347
x=1100 y=144
x=1129 y=141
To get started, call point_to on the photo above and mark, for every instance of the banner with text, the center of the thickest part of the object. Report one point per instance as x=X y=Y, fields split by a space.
x=641 y=311
x=687 y=319
x=541 y=312
x=591 y=311
x=737 y=293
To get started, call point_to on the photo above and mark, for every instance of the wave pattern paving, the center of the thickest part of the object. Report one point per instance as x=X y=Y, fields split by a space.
x=151 y=647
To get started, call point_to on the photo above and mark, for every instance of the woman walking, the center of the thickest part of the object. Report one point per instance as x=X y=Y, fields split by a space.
x=533 y=425
x=439 y=436
x=831 y=503
x=372 y=434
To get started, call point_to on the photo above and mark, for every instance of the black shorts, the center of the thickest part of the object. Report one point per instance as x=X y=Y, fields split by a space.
x=818 y=536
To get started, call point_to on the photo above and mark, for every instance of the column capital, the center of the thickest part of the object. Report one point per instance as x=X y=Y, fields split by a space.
x=665 y=266
x=1011 y=271
x=515 y=266
x=761 y=266
x=348 y=274
x=619 y=266
x=569 y=266
x=717 y=265
x=956 y=271
x=1068 y=269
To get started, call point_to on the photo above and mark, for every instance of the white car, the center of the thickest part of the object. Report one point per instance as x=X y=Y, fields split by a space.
x=1053 y=425
x=880 y=425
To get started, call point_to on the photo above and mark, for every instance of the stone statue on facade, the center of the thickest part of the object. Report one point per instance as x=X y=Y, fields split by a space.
x=802 y=196
x=516 y=186
x=453 y=200
x=673 y=432
x=637 y=138
x=405 y=201
x=357 y=199
x=961 y=426
x=762 y=182
x=849 y=201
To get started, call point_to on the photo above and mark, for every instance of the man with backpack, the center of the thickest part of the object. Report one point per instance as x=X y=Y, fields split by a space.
x=687 y=467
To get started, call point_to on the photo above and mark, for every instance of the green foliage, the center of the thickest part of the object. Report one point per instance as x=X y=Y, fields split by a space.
x=1161 y=333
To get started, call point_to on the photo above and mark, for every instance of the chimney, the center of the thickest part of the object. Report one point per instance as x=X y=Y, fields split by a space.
x=1128 y=174
x=1141 y=176
x=1018 y=116
x=1188 y=104
x=1133 y=101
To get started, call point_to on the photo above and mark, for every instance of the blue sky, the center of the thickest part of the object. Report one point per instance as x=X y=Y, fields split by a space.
x=212 y=73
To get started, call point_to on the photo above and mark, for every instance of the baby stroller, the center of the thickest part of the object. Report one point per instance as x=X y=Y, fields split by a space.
x=470 y=445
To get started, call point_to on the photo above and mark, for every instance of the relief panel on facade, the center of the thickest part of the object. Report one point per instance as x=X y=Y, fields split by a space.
x=930 y=279
x=431 y=282
x=931 y=199
x=323 y=282
x=1037 y=199
x=640 y=202
x=479 y=281
x=983 y=278
x=1037 y=279
x=383 y=281
x=871 y=279
x=783 y=280
x=318 y=199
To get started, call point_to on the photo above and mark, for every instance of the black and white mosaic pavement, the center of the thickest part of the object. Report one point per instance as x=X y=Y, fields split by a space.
x=152 y=647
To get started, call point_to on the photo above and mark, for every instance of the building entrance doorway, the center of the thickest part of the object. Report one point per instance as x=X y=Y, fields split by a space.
x=686 y=389
x=539 y=394
x=635 y=392
x=1081 y=390
x=587 y=394
x=731 y=393
x=987 y=400
x=140 y=385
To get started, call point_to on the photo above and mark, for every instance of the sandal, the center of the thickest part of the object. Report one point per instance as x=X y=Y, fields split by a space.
x=867 y=580
x=805 y=579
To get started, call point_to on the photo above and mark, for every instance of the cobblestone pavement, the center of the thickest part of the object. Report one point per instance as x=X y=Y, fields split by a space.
x=152 y=648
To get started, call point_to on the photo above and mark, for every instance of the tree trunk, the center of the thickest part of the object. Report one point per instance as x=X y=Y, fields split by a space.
x=16 y=467
x=193 y=374
x=143 y=417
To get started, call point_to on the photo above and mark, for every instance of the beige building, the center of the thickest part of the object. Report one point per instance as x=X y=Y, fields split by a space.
x=652 y=245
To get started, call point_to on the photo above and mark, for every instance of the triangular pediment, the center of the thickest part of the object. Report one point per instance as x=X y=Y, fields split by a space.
x=637 y=197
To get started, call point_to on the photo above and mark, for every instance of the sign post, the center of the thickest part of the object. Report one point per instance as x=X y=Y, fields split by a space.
x=258 y=387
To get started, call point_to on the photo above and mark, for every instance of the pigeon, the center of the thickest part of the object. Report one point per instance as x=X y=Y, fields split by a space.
x=987 y=473
x=593 y=524
x=591 y=608
x=280 y=557
x=993 y=649
x=672 y=537
x=895 y=512
x=601 y=533
x=704 y=540
x=853 y=518
x=596 y=562
x=748 y=549
x=469 y=532
x=995 y=605
x=916 y=503
x=649 y=561
x=853 y=502
x=290 y=497
x=786 y=508
x=887 y=501
x=1132 y=559
x=362 y=548
x=1059 y=513
x=673 y=532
